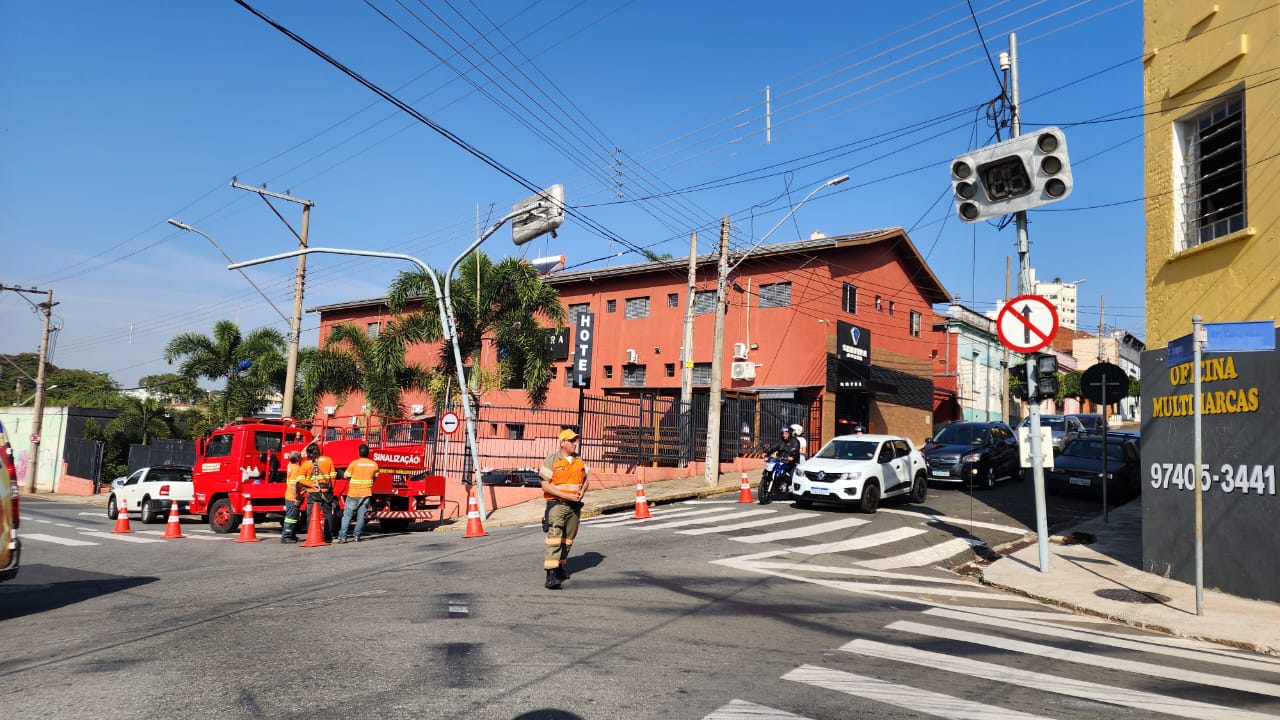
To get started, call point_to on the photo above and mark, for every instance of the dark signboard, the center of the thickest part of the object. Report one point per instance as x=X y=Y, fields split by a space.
x=559 y=341
x=853 y=356
x=1240 y=409
x=584 y=335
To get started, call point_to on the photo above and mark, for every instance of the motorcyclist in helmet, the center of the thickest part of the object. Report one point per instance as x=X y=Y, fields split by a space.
x=798 y=433
x=787 y=449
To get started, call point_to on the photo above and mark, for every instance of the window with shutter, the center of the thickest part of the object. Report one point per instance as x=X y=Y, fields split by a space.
x=775 y=295
x=704 y=301
x=637 y=307
x=633 y=375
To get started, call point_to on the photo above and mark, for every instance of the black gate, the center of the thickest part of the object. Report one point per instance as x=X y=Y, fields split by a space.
x=162 y=451
x=83 y=458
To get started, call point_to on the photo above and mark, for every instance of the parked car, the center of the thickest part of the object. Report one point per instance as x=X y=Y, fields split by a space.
x=862 y=470
x=974 y=453
x=1092 y=423
x=1065 y=428
x=149 y=491
x=10 y=544
x=518 y=477
x=1079 y=466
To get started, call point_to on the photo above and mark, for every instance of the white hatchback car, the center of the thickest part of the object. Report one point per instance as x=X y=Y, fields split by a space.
x=861 y=469
x=149 y=492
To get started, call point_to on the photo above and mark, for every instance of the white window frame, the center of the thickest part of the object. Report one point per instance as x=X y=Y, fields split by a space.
x=1189 y=232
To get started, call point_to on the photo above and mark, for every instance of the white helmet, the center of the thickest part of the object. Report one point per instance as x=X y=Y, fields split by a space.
x=797 y=430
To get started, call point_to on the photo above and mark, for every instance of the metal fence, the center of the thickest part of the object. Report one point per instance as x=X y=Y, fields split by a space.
x=83 y=457
x=162 y=451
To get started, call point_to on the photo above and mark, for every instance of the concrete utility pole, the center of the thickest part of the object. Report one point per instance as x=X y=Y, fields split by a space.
x=712 y=472
x=295 y=325
x=1006 y=401
x=686 y=359
x=37 y=412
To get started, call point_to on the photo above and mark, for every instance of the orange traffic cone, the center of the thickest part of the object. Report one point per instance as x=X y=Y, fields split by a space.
x=744 y=494
x=173 y=528
x=315 y=527
x=122 y=518
x=247 y=531
x=642 y=505
x=475 y=527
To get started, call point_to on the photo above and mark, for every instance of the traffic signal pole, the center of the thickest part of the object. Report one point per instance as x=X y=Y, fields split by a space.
x=1024 y=288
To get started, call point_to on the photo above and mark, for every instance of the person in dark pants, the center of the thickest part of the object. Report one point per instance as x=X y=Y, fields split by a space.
x=319 y=473
x=289 y=528
x=564 y=482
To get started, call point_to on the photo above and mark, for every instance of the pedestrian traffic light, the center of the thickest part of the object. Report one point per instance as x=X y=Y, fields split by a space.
x=1047 y=384
x=1018 y=381
x=1011 y=176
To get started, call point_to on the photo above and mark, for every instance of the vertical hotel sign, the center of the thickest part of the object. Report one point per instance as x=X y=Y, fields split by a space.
x=584 y=337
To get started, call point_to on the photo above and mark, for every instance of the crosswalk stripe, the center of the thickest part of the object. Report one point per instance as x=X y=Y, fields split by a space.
x=744 y=525
x=56 y=540
x=857 y=572
x=908 y=593
x=1130 y=666
x=703 y=520
x=859 y=543
x=625 y=517
x=743 y=710
x=185 y=536
x=913 y=699
x=924 y=556
x=121 y=537
x=1072 y=687
x=805 y=531
x=958 y=521
x=681 y=515
x=1172 y=647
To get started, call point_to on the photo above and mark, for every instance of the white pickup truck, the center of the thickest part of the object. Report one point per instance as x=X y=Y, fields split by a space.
x=149 y=491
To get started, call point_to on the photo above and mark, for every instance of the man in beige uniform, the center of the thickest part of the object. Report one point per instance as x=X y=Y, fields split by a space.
x=564 y=482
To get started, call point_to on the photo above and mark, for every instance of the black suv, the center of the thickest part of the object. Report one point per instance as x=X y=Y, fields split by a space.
x=973 y=453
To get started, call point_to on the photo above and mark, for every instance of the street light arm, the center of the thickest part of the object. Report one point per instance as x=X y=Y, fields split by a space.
x=830 y=183
x=189 y=228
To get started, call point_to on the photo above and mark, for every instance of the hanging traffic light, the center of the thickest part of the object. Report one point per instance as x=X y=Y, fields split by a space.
x=1015 y=175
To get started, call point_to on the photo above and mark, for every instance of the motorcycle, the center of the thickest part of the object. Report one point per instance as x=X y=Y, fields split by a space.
x=773 y=481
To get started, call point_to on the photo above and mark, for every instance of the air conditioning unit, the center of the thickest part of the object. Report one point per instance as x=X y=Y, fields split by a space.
x=743 y=371
x=416 y=409
x=739 y=351
x=330 y=410
x=355 y=421
x=632 y=357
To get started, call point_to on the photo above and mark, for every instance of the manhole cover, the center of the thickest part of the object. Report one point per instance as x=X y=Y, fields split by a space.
x=1131 y=596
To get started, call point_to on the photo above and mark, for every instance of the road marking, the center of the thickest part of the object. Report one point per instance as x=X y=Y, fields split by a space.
x=805 y=531
x=458 y=608
x=681 y=515
x=906 y=593
x=1130 y=666
x=38 y=520
x=1188 y=649
x=185 y=536
x=1071 y=687
x=751 y=524
x=925 y=556
x=67 y=525
x=834 y=570
x=121 y=537
x=743 y=710
x=860 y=543
x=620 y=518
x=903 y=696
x=703 y=520
x=958 y=521
x=56 y=540
x=94 y=514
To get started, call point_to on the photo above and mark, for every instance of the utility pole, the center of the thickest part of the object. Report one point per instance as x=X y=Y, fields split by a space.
x=686 y=359
x=295 y=324
x=1006 y=401
x=712 y=473
x=37 y=412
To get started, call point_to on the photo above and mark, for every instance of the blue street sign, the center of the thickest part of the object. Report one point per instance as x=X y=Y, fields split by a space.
x=1252 y=336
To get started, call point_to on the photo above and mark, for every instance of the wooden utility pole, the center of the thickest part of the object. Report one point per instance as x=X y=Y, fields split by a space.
x=712 y=474
x=687 y=444
x=37 y=412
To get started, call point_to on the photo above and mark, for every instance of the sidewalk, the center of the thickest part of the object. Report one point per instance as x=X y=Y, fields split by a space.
x=1102 y=578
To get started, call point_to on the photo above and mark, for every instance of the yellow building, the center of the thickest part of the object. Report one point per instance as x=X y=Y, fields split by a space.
x=1211 y=86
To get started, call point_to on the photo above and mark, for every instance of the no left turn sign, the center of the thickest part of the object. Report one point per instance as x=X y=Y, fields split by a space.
x=1027 y=323
x=448 y=423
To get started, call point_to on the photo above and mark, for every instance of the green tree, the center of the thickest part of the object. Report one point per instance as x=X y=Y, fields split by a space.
x=173 y=387
x=504 y=301
x=352 y=361
x=1069 y=386
x=220 y=357
x=84 y=388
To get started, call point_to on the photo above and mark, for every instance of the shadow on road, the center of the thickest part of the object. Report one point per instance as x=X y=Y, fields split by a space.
x=39 y=588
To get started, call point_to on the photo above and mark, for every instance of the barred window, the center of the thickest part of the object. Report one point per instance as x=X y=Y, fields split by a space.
x=515 y=431
x=670 y=369
x=850 y=300
x=608 y=371
x=575 y=310
x=633 y=375
x=568 y=376
x=915 y=324
x=637 y=307
x=879 y=303
x=704 y=301
x=892 y=305
x=1211 y=188
x=701 y=374
x=775 y=295
x=372 y=329
x=611 y=306
x=673 y=300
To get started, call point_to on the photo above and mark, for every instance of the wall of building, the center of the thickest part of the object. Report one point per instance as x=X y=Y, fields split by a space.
x=1194 y=53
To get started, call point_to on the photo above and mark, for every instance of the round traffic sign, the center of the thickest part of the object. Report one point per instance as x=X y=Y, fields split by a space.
x=1027 y=323
x=448 y=423
x=35 y=438
x=1104 y=383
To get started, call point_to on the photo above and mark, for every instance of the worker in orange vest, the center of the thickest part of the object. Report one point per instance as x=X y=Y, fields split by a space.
x=564 y=482
x=319 y=476
x=360 y=475
x=289 y=528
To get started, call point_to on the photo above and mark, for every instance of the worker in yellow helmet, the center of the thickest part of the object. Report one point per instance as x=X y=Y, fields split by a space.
x=564 y=482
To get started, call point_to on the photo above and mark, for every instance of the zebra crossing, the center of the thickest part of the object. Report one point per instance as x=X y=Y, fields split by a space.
x=1132 y=674
x=38 y=530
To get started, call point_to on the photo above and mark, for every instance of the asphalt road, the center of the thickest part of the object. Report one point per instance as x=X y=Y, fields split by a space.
x=692 y=614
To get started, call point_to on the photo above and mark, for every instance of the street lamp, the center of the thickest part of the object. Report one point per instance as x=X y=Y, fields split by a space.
x=830 y=183
x=551 y=199
x=24 y=402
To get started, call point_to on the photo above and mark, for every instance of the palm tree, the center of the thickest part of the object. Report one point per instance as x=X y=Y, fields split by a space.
x=503 y=301
x=222 y=356
x=351 y=361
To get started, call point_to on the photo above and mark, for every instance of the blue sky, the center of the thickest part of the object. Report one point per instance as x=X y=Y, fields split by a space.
x=115 y=117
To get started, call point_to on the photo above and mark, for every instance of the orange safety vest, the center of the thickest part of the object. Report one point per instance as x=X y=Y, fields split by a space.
x=318 y=477
x=360 y=475
x=294 y=474
x=567 y=473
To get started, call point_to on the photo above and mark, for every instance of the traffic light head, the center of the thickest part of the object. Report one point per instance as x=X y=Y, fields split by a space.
x=1047 y=383
x=1018 y=174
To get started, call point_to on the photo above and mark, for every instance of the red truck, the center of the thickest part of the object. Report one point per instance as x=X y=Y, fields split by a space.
x=247 y=457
